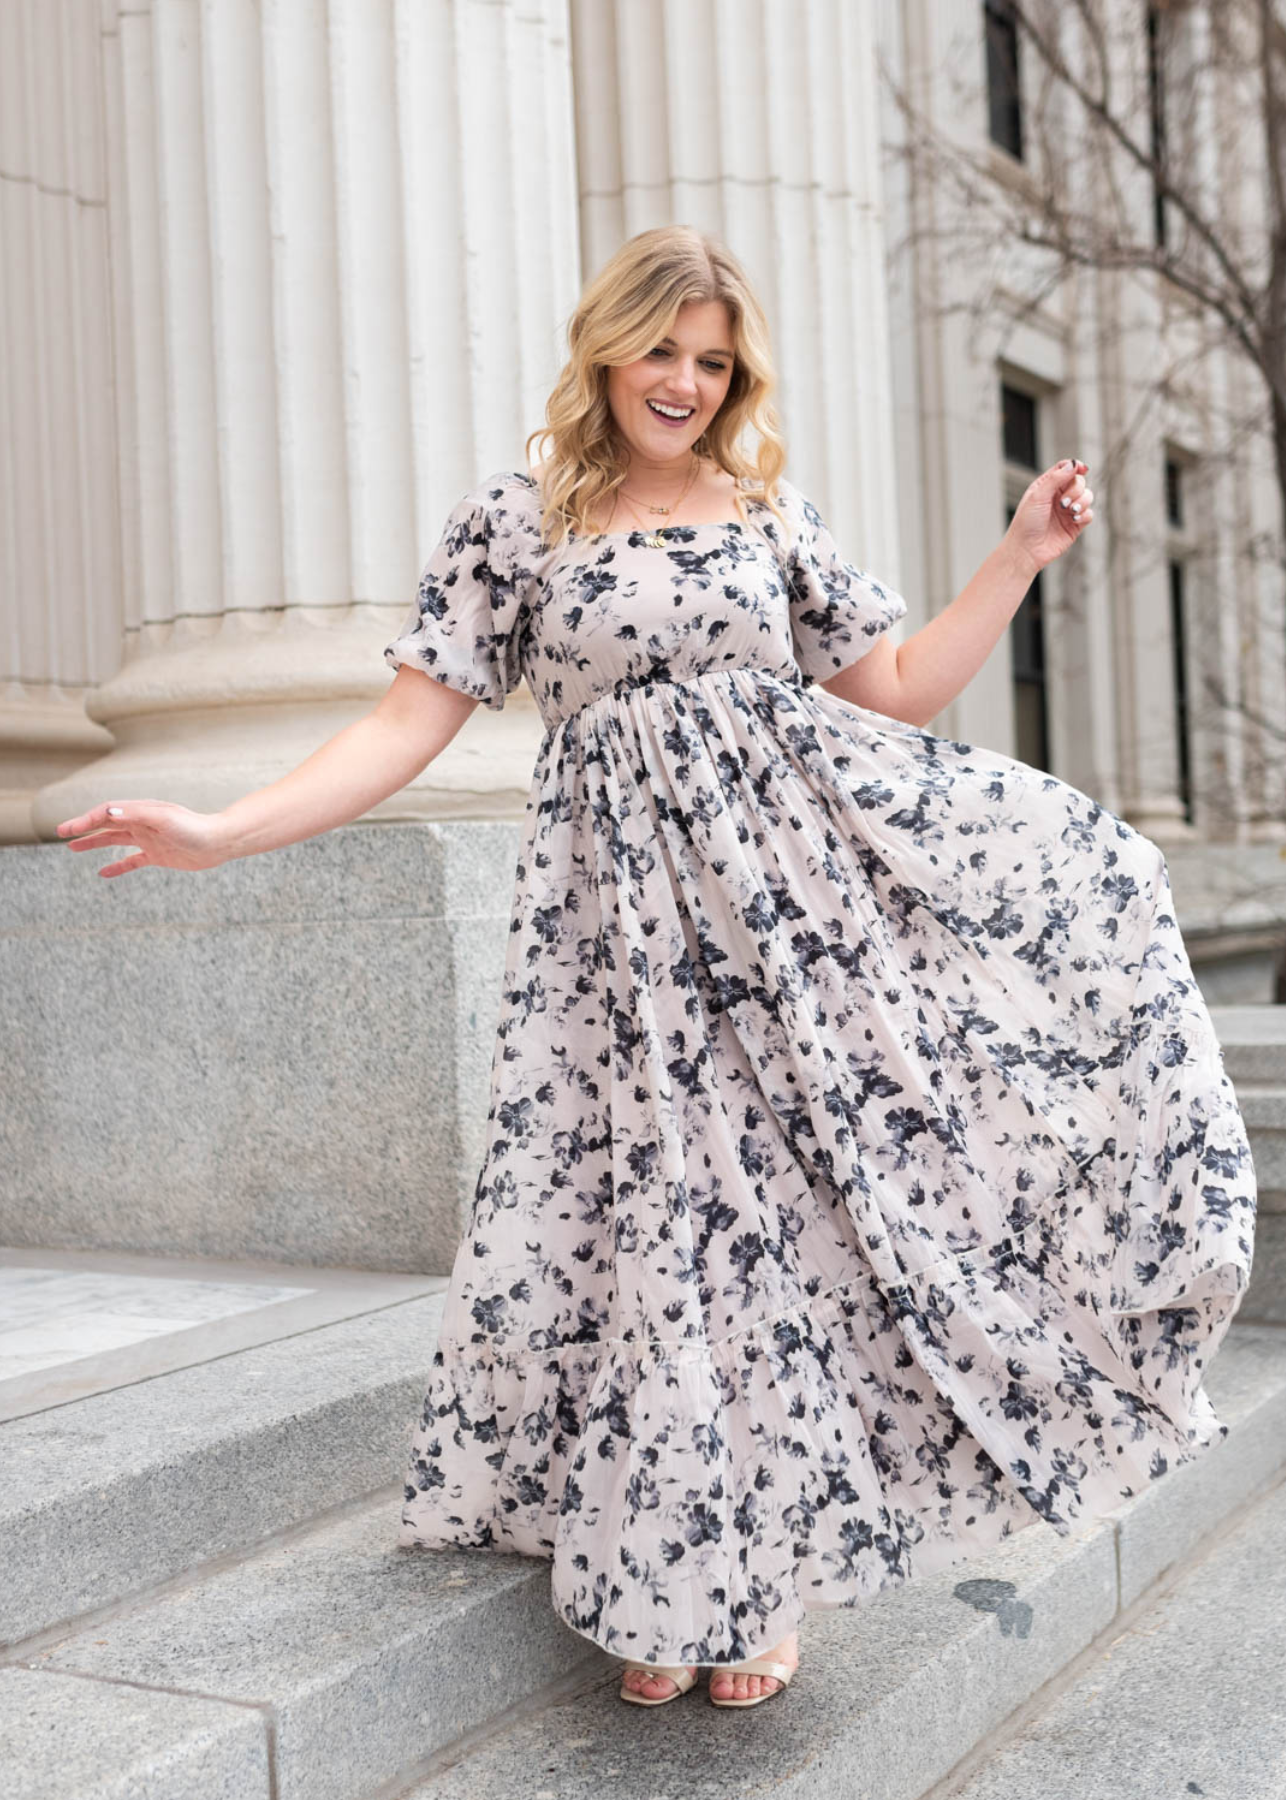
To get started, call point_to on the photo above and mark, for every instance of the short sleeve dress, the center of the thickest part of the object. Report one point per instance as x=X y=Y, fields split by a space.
x=862 y=1179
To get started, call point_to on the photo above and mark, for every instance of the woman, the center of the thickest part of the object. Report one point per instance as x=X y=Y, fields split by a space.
x=862 y=1179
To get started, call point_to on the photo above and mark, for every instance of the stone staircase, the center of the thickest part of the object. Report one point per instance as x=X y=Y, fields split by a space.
x=203 y=1593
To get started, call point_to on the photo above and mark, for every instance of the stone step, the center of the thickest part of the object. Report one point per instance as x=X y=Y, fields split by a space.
x=1254 y=1047
x=108 y=1496
x=328 y=1662
x=1253 y=1039
x=357 y=1662
x=121 y=1741
x=891 y=1697
x=1189 y=1698
x=1264 y=1110
x=1254 y=1043
x=1265 y=1301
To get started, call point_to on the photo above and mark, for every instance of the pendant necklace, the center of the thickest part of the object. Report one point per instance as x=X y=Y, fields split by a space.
x=653 y=538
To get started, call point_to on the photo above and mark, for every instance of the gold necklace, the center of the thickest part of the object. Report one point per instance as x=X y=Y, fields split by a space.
x=653 y=538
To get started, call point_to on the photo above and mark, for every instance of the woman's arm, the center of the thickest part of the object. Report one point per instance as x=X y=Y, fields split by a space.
x=916 y=679
x=353 y=771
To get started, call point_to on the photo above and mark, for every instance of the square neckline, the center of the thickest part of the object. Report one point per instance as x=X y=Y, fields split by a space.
x=601 y=537
x=605 y=537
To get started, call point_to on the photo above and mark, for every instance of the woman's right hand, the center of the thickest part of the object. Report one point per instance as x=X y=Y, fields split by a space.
x=166 y=836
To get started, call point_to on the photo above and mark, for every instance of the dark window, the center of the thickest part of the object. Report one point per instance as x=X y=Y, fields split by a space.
x=1005 y=118
x=1173 y=492
x=1018 y=432
x=1027 y=658
x=1156 y=109
x=1178 y=639
x=1018 y=426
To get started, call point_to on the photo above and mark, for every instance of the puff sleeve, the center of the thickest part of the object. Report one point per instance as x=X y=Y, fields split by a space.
x=836 y=610
x=465 y=628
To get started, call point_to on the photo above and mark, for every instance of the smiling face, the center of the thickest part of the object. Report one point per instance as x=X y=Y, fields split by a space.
x=663 y=402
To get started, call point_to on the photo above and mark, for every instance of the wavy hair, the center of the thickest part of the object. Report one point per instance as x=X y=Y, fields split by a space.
x=629 y=306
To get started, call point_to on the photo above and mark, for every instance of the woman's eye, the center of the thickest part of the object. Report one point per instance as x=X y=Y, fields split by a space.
x=715 y=368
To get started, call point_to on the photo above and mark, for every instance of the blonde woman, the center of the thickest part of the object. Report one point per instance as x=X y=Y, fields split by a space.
x=862 y=1179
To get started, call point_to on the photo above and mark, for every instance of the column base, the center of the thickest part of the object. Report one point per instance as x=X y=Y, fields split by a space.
x=209 y=710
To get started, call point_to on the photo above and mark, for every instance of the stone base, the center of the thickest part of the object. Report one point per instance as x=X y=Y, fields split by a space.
x=287 y=1057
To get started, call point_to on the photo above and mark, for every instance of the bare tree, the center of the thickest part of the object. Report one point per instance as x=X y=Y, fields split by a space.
x=1122 y=88
x=1152 y=155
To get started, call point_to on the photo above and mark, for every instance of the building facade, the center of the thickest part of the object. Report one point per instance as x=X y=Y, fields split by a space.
x=281 y=280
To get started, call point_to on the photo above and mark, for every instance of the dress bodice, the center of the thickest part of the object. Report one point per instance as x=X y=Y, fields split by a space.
x=615 y=611
x=595 y=616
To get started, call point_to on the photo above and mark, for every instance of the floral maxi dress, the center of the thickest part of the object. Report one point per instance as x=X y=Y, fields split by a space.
x=862 y=1178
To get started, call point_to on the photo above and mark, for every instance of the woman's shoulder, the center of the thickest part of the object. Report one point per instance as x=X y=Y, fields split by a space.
x=786 y=494
x=506 y=509
x=506 y=489
x=782 y=527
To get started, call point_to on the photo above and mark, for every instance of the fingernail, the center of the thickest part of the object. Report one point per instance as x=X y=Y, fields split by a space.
x=114 y=812
x=1066 y=501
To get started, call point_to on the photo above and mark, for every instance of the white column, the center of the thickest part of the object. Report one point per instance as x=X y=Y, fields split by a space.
x=759 y=124
x=341 y=263
x=57 y=463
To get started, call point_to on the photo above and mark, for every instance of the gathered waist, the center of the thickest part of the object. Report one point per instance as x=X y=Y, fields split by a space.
x=646 y=679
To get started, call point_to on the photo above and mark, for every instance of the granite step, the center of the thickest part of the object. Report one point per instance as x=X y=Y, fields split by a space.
x=108 y=1496
x=331 y=1659
x=1264 y=1110
x=1254 y=1048
x=1253 y=1039
x=1265 y=1300
x=1254 y=1043
x=892 y=1697
x=332 y=1664
x=1188 y=1698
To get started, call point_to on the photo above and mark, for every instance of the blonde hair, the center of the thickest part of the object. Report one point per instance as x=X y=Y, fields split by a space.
x=629 y=306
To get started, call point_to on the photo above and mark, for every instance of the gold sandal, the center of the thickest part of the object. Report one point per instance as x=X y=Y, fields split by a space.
x=683 y=1678
x=758 y=1665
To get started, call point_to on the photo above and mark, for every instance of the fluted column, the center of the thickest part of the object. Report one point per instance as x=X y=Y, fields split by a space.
x=758 y=121
x=58 y=507
x=339 y=270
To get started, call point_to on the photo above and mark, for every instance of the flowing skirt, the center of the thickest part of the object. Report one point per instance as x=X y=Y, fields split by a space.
x=863 y=1182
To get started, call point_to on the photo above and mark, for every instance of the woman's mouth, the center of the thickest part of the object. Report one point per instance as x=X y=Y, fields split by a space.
x=674 y=416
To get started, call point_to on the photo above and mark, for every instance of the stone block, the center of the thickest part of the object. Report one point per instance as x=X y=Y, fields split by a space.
x=283 y=1058
x=115 y=1493
x=369 y=1655
x=1190 y=1699
x=62 y=1738
x=1162 y=1527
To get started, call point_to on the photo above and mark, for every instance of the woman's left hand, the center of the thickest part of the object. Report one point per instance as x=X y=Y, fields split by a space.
x=1051 y=515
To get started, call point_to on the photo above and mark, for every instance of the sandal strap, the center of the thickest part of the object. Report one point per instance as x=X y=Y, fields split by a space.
x=676 y=1671
x=759 y=1665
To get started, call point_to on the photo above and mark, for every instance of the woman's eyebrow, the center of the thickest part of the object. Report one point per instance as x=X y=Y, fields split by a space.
x=712 y=352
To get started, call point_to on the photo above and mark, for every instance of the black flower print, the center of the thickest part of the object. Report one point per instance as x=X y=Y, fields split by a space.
x=862 y=1181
